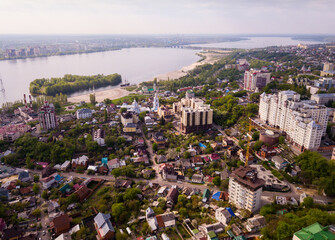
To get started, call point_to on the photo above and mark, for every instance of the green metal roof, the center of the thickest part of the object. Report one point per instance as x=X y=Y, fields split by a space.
x=315 y=232
x=211 y=234
x=206 y=193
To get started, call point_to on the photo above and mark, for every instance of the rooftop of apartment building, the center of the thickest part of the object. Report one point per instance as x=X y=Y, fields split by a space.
x=247 y=176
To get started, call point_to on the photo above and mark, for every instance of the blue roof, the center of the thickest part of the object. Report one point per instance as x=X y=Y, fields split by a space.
x=58 y=177
x=104 y=160
x=231 y=211
x=216 y=196
x=202 y=145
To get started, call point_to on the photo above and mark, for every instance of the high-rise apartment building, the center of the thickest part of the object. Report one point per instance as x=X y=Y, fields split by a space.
x=305 y=122
x=47 y=116
x=195 y=114
x=256 y=79
x=245 y=188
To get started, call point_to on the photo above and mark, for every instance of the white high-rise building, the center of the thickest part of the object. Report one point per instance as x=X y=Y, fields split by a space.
x=305 y=122
x=156 y=103
x=245 y=188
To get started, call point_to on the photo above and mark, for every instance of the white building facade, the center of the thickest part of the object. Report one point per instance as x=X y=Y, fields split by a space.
x=245 y=189
x=305 y=122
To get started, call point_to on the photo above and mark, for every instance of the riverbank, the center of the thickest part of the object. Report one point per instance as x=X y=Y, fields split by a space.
x=112 y=94
x=207 y=57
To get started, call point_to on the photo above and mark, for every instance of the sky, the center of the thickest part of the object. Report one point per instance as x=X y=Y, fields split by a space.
x=167 y=17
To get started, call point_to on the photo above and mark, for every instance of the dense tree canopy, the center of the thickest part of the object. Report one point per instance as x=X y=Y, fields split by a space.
x=72 y=83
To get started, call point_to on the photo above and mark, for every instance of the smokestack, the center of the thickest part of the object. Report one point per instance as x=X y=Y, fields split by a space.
x=25 y=100
x=31 y=102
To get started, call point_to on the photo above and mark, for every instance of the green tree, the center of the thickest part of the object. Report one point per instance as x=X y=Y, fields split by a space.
x=92 y=99
x=36 y=178
x=255 y=136
x=281 y=139
x=217 y=181
x=154 y=146
x=123 y=110
x=187 y=155
x=45 y=194
x=37 y=212
x=117 y=210
x=105 y=115
x=308 y=202
x=36 y=188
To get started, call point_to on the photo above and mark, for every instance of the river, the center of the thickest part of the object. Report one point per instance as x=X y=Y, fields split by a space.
x=257 y=42
x=134 y=64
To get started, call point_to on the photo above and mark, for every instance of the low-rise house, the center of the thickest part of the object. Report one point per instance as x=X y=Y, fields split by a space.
x=47 y=171
x=168 y=172
x=205 y=195
x=48 y=182
x=122 y=183
x=150 y=216
x=223 y=216
x=166 y=220
x=282 y=200
x=162 y=191
x=186 y=164
x=197 y=178
x=161 y=158
x=255 y=223
x=146 y=173
x=84 y=113
x=149 y=122
x=267 y=151
x=144 y=160
x=80 y=162
x=197 y=160
x=215 y=227
x=159 y=139
x=26 y=190
x=279 y=162
x=92 y=168
x=130 y=128
x=4 y=193
x=172 y=196
x=114 y=163
x=12 y=234
x=215 y=157
x=24 y=176
x=65 y=165
x=103 y=168
x=227 y=142
x=99 y=137
x=314 y=231
x=61 y=224
x=83 y=192
x=104 y=227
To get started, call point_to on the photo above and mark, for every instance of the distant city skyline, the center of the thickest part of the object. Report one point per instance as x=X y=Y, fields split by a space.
x=167 y=17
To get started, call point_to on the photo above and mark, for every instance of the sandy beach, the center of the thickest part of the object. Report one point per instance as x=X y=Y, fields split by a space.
x=210 y=57
x=113 y=93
